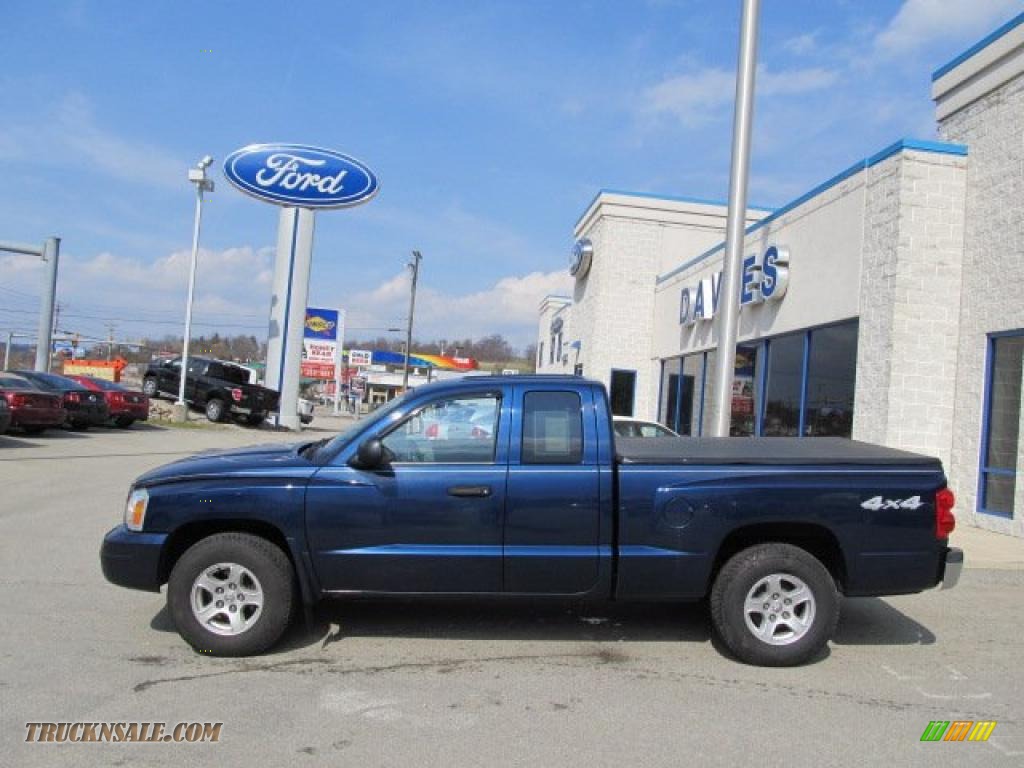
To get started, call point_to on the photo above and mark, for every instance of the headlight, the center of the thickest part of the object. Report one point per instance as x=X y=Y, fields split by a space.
x=135 y=509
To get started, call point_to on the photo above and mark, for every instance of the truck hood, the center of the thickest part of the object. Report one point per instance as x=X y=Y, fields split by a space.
x=269 y=460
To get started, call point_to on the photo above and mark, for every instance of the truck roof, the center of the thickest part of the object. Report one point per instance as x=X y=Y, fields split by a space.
x=475 y=381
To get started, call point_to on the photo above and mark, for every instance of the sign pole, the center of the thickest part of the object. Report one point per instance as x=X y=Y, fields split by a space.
x=339 y=350
x=728 y=317
x=287 y=310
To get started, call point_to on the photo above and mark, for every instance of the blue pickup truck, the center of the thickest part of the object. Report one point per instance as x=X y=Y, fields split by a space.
x=517 y=486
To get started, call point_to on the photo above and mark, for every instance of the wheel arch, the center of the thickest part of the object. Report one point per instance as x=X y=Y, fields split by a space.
x=818 y=540
x=185 y=536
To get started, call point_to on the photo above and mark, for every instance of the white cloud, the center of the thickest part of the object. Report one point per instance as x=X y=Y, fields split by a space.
x=233 y=296
x=698 y=97
x=919 y=22
x=71 y=135
x=509 y=307
x=144 y=298
x=801 y=45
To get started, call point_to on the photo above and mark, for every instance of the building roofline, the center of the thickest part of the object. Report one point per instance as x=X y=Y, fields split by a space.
x=985 y=42
x=655 y=196
x=938 y=147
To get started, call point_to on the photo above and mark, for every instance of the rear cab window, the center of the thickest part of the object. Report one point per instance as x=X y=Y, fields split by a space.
x=552 y=428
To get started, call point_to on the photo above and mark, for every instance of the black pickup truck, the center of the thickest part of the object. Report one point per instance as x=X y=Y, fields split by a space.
x=218 y=387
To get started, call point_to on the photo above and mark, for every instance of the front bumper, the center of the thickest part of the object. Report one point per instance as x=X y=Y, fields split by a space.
x=132 y=558
x=953 y=565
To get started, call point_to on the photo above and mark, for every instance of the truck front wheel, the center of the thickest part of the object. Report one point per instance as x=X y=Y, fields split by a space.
x=232 y=594
x=774 y=605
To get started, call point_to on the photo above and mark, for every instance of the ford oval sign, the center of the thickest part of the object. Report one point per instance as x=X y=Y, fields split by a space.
x=301 y=176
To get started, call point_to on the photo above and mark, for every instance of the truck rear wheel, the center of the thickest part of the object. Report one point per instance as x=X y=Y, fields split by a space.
x=215 y=409
x=774 y=605
x=232 y=594
x=149 y=387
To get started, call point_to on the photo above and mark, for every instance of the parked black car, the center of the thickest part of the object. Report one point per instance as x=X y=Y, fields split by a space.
x=84 y=408
x=219 y=388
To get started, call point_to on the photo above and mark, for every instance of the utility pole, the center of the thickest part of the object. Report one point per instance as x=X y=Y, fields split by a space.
x=110 y=340
x=414 y=265
x=7 y=351
x=735 y=227
x=53 y=332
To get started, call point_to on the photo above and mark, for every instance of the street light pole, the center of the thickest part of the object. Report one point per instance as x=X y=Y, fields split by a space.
x=197 y=176
x=414 y=265
x=735 y=226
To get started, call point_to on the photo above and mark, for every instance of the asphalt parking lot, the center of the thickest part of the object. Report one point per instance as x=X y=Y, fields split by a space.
x=402 y=684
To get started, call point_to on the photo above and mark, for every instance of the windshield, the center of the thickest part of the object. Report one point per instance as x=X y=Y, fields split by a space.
x=53 y=381
x=107 y=385
x=382 y=413
x=8 y=381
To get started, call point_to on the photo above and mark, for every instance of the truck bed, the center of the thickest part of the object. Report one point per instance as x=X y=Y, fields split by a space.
x=764 y=450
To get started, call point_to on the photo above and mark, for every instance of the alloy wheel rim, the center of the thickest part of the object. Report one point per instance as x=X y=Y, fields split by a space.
x=227 y=599
x=779 y=609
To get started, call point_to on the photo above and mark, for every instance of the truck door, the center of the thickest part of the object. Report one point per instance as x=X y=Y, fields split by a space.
x=196 y=368
x=428 y=521
x=552 y=507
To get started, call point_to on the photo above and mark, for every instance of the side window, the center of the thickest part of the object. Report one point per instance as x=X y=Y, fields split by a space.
x=454 y=430
x=552 y=428
x=197 y=367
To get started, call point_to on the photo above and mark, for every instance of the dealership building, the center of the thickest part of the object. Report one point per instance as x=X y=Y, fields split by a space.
x=884 y=304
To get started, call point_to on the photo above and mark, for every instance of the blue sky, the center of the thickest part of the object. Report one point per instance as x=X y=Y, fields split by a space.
x=490 y=125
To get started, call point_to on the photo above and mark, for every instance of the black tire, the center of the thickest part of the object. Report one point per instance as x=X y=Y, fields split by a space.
x=255 y=419
x=215 y=409
x=34 y=430
x=266 y=562
x=149 y=387
x=124 y=421
x=79 y=426
x=742 y=573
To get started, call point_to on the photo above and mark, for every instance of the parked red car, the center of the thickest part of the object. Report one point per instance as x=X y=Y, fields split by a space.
x=31 y=409
x=126 y=406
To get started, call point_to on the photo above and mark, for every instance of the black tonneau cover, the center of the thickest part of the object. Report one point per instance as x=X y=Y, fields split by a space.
x=763 y=450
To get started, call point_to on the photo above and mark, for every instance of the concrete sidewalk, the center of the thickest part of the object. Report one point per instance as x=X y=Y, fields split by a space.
x=985 y=549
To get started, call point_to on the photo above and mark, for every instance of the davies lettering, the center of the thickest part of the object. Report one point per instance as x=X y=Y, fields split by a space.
x=765 y=278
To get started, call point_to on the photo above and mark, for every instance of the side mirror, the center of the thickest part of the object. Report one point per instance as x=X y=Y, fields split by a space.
x=371 y=453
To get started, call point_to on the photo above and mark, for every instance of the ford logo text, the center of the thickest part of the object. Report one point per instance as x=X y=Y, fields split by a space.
x=301 y=176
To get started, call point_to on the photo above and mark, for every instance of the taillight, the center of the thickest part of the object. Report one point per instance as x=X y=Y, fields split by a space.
x=431 y=432
x=236 y=395
x=15 y=399
x=944 y=520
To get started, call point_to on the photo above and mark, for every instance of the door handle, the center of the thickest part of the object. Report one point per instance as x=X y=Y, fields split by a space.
x=470 y=491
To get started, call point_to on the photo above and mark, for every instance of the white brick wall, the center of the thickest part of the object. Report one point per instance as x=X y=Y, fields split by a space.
x=909 y=302
x=993 y=129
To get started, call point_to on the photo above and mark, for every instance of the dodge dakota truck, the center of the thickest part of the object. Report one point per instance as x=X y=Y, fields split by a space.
x=517 y=486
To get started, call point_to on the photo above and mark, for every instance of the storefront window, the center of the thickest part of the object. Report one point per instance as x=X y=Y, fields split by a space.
x=784 y=387
x=706 y=412
x=689 y=395
x=744 y=389
x=1002 y=423
x=623 y=391
x=669 y=392
x=831 y=378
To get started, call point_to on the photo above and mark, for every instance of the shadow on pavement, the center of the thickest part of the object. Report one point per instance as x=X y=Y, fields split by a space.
x=872 y=621
x=336 y=620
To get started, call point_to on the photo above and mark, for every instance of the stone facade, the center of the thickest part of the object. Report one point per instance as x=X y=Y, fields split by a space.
x=909 y=302
x=992 y=126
